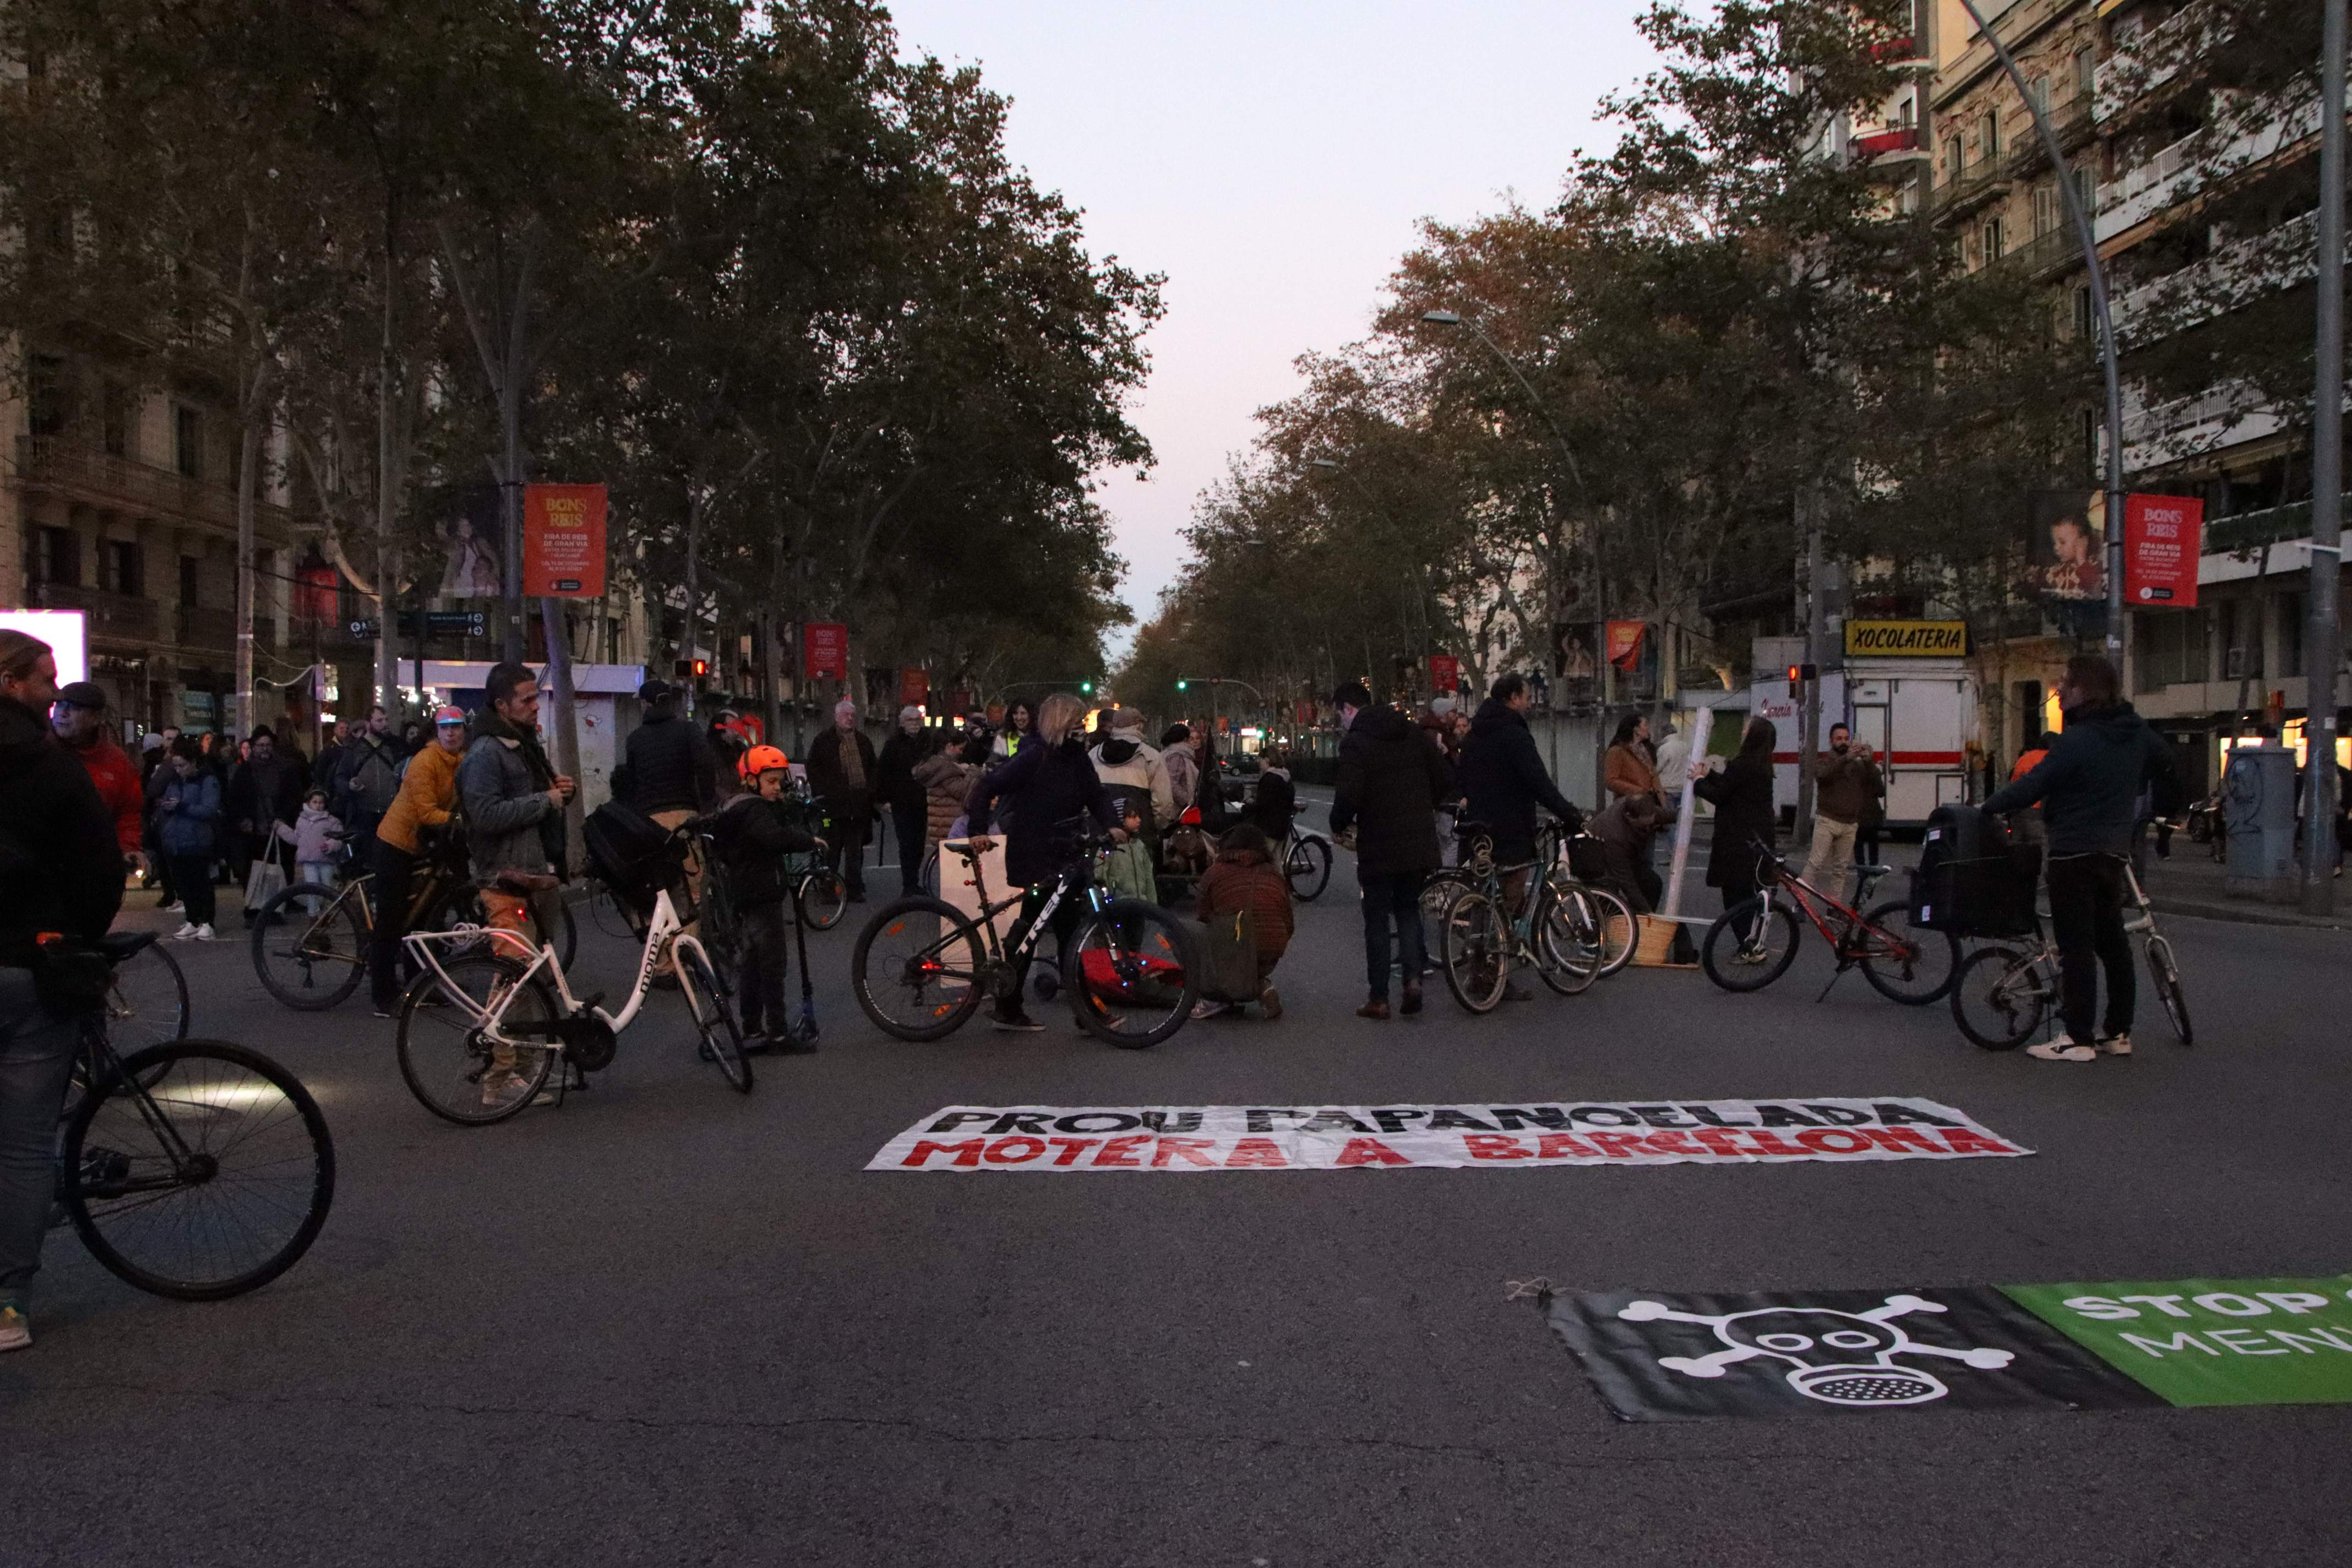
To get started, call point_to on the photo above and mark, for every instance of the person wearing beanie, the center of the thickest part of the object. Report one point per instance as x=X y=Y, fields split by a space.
x=895 y=787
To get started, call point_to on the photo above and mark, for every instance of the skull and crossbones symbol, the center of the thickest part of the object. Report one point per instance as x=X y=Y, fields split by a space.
x=1836 y=1357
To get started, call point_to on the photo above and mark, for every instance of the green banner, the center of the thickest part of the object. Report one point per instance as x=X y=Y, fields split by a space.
x=2212 y=1341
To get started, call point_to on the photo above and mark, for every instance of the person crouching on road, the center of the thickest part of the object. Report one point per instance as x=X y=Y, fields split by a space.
x=754 y=832
x=318 y=839
x=2089 y=787
x=1243 y=877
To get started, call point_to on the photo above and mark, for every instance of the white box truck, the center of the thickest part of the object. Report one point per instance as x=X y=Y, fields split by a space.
x=1918 y=715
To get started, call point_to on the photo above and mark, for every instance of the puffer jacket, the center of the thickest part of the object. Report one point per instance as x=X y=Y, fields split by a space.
x=317 y=837
x=1132 y=769
x=428 y=796
x=946 y=781
x=671 y=766
x=191 y=810
x=1246 y=879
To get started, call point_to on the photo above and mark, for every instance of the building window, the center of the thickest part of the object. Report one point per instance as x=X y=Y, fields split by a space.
x=188 y=569
x=188 y=442
x=2291 y=631
x=2171 y=648
x=56 y=556
x=123 y=567
x=1991 y=135
x=2045 y=207
x=2242 y=640
x=2037 y=89
x=114 y=419
x=1989 y=241
x=45 y=402
x=2086 y=69
x=2089 y=436
x=1955 y=158
x=2085 y=319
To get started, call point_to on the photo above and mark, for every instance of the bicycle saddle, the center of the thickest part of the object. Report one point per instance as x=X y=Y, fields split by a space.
x=119 y=945
x=1875 y=870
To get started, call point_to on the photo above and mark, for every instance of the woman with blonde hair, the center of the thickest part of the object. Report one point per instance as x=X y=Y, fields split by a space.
x=1050 y=781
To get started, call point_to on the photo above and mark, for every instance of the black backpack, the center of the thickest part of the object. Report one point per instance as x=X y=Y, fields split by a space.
x=632 y=854
x=1972 y=879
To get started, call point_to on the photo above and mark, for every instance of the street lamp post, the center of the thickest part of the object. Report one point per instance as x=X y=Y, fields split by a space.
x=2324 y=641
x=2086 y=236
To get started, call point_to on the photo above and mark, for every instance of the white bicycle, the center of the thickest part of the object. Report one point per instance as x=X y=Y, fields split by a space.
x=489 y=1015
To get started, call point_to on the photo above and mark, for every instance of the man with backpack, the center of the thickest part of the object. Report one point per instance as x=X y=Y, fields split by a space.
x=2089 y=787
x=364 y=781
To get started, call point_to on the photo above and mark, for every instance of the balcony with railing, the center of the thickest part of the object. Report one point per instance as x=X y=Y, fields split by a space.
x=2053 y=250
x=2234 y=276
x=62 y=466
x=113 y=617
x=2253 y=529
x=1967 y=187
x=2179 y=171
x=2155 y=60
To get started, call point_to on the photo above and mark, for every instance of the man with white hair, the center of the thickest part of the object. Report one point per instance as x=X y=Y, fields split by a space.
x=897 y=787
x=842 y=771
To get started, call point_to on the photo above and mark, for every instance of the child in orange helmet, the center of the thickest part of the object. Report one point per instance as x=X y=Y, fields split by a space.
x=754 y=833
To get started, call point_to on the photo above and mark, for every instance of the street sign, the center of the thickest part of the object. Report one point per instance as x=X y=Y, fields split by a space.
x=450 y=623
x=563 y=540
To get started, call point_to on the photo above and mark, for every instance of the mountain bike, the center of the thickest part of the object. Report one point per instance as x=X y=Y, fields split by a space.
x=1479 y=937
x=483 y=1025
x=1903 y=963
x=193 y=1169
x=311 y=943
x=2002 y=995
x=921 y=966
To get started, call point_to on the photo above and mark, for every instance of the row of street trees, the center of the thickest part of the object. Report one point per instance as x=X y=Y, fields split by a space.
x=779 y=288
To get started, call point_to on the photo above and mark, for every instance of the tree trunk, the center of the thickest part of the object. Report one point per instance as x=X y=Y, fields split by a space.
x=567 y=733
x=387 y=504
x=689 y=630
x=248 y=480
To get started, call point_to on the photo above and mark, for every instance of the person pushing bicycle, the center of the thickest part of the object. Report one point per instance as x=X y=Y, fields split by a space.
x=2089 y=787
x=1053 y=782
x=60 y=872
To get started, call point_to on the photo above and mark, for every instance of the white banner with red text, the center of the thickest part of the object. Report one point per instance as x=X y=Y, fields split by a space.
x=1390 y=1137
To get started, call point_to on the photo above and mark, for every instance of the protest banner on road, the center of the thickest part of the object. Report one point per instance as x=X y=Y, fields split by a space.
x=1392 y=1137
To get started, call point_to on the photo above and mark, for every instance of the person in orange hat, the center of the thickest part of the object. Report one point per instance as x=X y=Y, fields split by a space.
x=427 y=798
x=754 y=832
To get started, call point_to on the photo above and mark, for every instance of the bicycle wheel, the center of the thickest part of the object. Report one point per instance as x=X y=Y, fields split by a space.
x=823 y=899
x=1130 y=974
x=1915 y=965
x=1771 y=949
x=147 y=1000
x=1620 y=929
x=1438 y=893
x=1567 y=942
x=1308 y=868
x=714 y=1020
x=1999 y=997
x=448 y=1063
x=202 y=1171
x=1473 y=949
x=310 y=946
x=918 y=969
x=2166 y=977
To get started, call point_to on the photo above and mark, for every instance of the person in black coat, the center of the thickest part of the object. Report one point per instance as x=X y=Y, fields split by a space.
x=1390 y=783
x=895 y=787
x=1052 y=780
x=1504 y=779
x=1742 y=797
x=755 y=831
x=673 y=773
x=842 y=768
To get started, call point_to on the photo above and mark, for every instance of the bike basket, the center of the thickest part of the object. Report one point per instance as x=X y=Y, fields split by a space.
x=1588 y=859
x=632 y=853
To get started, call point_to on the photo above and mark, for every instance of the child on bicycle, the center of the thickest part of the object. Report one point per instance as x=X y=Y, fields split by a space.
x=754 y=832
x=1245 y=878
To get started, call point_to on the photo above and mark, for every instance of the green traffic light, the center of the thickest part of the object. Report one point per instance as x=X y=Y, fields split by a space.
x=1183 y=685
x=1087 y=687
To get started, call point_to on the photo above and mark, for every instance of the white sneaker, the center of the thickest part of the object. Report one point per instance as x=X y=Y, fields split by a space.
x=16 y=1334
x=171 y=909
x=2062 y=1049
x=1751 y=956
x=203 y=933
x=2116 y=1045
x=186 y=933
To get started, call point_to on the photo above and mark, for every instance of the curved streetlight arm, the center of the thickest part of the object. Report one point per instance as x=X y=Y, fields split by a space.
x=2087 y=239
x=1455 y=319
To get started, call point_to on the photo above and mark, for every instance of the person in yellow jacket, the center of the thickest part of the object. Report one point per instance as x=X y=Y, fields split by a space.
x=427 y=798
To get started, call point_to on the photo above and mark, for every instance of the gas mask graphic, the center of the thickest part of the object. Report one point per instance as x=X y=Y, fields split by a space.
x=1838 y=1358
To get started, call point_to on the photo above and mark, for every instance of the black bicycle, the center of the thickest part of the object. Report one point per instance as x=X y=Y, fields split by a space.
x=922 y=965
x=193 y=1169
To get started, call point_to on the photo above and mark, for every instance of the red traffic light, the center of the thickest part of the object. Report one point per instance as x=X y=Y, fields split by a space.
x=702 y=667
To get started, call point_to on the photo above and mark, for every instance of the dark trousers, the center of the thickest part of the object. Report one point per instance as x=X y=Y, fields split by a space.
x=1642 y=887
x=193 y=876
x=2087 y=919
x=164 y=878
x=395 y=884
x=37 y=1053
x=1739 y=885
x=761 y=997
x=1865 y=843
x=847 y=860
x=910 y=823
x=1392 y=899
x=1064 y=925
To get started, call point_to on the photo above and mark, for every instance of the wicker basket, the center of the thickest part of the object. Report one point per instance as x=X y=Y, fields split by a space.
x=1658 y=942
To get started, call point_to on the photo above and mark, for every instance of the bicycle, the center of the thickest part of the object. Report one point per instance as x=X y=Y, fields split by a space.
x=1305 y=859
x=1902 y=964
x=481 y=1028
x=193 y=1169
x=921 y=965
x=1602 y=916
x=146 y=1004
x=2002 y=995
x=312 y=944
x=1479 y=939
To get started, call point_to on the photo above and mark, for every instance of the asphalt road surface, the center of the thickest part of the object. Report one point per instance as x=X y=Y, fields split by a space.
x=667 y=1324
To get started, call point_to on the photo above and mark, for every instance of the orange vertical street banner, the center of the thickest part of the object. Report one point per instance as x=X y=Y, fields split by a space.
x=563 y=540
x=2163 y=536
x=914 y=688
x=826 y=646
x=1625 y=643
x=1444 y=672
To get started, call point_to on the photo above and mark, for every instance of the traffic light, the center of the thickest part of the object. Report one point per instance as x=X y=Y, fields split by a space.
x=1086 y=687
x=1182 y=684
x=702 y=667
x=1798 y=674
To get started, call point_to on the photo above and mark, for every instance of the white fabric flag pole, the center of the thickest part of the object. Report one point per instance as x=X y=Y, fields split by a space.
x=1683 y=822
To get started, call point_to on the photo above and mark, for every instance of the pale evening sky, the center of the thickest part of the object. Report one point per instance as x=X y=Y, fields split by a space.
x=1272 y=159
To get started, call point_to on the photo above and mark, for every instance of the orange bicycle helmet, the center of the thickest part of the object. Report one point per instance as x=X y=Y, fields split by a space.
x=759 y=760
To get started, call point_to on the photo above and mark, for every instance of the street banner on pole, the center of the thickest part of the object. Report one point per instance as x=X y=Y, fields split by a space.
x=1444 y=672
x=2163 y=536
x=914 y=688
x=563 y=540
x=826 y=644
x=1475 y=1137
x=1625 y=643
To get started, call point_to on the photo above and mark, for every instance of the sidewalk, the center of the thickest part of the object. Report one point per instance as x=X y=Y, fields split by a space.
x=2190 y=883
